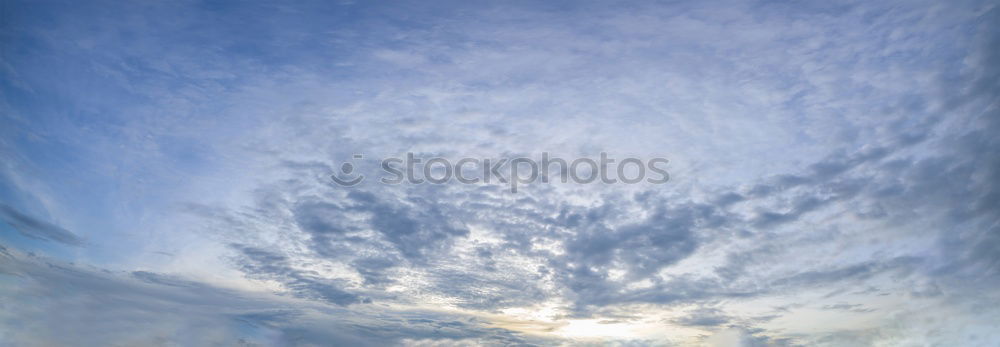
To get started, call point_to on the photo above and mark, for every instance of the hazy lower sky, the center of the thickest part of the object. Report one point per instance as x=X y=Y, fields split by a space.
x=165 y=173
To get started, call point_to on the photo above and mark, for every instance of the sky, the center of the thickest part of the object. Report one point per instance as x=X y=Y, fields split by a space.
x=834 y=177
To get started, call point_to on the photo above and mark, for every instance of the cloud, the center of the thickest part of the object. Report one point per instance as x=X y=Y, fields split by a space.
x=262 y=264
x=827 y=161
x=152 y=308
x=37 y=229
x=704 y=317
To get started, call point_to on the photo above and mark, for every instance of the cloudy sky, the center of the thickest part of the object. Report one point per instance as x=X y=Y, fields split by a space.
x=165 y=173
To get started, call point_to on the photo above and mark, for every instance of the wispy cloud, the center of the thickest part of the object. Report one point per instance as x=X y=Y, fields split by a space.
x=38 y=229
x=833 y=177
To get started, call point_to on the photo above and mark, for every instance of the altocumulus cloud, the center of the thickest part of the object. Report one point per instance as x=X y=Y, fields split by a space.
x=165 y=177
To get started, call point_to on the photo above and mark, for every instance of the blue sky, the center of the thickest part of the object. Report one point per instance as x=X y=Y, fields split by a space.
x=833 y=173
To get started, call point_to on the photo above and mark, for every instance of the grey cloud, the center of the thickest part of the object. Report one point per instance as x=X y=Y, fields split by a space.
x=669 y=234
x=412 y=230
x=262 y=264
x=155 y=278
x=118 y=309
x=37 y=229
x=477 y=290
x=859 y=308
x=318 y=217
x=146 y=308
x=704 y=317
x=373 y=268
x=413 y=226
x=688 y=289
